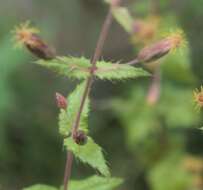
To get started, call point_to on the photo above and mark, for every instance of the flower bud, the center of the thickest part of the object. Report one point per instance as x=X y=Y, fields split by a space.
x=26 y=35
x=39 y=48
x=161 y=48
x=80 y=137
x=61 y=101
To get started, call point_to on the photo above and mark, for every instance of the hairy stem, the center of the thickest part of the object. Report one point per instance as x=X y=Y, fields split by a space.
x=97 y=54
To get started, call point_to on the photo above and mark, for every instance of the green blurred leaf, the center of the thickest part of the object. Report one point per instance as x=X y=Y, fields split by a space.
x=123 y=17
x=95 y=183
x=177 y=108
x=169 y=174
x=40 y=187
x=90 y=153
x=67 y=117
x=177 y=67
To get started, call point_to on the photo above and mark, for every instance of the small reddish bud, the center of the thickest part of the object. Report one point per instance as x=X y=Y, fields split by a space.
x=161 y=48
x=80 y=137
x=61 y=101
x=28 y=36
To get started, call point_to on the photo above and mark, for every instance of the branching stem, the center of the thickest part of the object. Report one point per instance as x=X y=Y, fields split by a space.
x=97 y=54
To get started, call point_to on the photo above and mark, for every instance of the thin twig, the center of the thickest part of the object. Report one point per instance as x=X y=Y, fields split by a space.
x=97 y=54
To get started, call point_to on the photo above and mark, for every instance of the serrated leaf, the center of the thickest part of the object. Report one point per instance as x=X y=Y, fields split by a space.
x=90 y=153
x=40 y=187
x=123 y=17
x=95 y=183
x=71 y=67
x=67 y=117
x=109 y=71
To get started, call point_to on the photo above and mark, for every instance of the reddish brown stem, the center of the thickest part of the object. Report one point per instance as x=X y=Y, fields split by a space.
x=68 y=169
x=97 y=54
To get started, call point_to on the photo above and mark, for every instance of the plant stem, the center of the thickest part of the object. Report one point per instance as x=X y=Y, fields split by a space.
x=68 y=169
x=133 y=62
x=97 y=54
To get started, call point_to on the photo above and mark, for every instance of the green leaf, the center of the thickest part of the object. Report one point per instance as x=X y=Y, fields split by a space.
x=95 y=183
x=78 y=68
x=40 y=187
x=177 y=107
x=176 y=66
x=110 y=71
x=71 y=67
x=180 y=180
x=90 y=153
x=123 y=17
x=67 y=117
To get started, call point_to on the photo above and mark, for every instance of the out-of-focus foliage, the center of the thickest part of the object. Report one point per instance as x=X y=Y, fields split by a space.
x=29 y=144
x=10 y=59
x=89 y=183
x=40 y=187
x=157 y=116
x=178 y=180
x=95 y=181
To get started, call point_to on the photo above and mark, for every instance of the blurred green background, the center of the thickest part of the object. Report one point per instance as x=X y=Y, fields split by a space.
x=152 y=147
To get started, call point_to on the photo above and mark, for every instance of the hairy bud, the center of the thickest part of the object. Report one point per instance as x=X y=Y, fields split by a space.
x=161 y=48
x=61 y=101
x=80 y=137
x=28 y=36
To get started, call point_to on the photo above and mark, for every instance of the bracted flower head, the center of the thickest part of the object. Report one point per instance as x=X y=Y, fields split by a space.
x=176 y=39
x=23 y=33
x=162 y=47
x=198 y=98
x=28 y=36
